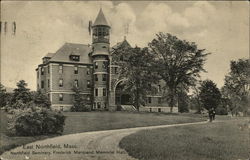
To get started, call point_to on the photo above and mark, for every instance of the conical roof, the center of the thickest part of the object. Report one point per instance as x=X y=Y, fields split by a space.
x=100 y=19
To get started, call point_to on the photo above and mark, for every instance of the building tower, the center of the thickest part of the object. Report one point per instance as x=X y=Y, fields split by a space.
x=100 y=56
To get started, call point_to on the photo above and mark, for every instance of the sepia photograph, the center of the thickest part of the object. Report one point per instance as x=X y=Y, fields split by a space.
x=124 y=80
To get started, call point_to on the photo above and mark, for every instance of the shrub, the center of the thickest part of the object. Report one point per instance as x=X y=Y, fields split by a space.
x=36 y=121
x=40 y=99
x=221 y=110
x=80 y=103
x=80 y=108
x=18 y=105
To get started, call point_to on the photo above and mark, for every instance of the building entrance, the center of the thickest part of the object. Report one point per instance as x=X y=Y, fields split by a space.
x=121 y=96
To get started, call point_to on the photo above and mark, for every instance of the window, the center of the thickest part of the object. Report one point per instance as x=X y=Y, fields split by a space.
x=48 y=68
x=159 y=88
x=96 y=92
x=94 y=106
x=60 y=97
x=159 y=109
x=105 y=64
x=88 y=97
x=88 y=70
x=60 y=69
x=104 y=92
x=76 y=83
x=159 y=100
x=61 y=108
x=76 y=70
x=149 y=99
x=60 y=82
x=88 y=84
x=104 y=77
x=116 y=70
x=74 y=58
x=42 y=84
x=99 y=31
x=95 y=32
x=121 y=58
x=48 y=83
x=96 y=65
x=96 y=77
x=98 y=104
x=42 y=71
x=150 y=109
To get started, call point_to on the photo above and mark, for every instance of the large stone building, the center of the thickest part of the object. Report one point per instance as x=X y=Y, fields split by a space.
x=90 y=68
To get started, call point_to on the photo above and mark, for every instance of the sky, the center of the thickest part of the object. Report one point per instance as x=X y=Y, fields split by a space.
x=222 y=28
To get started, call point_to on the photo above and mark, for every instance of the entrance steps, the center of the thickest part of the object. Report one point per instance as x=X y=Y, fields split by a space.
x=128 y=108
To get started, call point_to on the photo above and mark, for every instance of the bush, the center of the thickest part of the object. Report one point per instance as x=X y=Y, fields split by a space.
x=221 y=110
x=36 y=121
x=80 y=108
x=18 y=105
x=40 y=99
x=80 y=103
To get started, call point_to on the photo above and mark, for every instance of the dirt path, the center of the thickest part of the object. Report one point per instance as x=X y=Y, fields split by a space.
x=99 y=145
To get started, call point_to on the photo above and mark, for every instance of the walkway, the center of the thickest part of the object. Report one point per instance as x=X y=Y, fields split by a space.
x=98 y=145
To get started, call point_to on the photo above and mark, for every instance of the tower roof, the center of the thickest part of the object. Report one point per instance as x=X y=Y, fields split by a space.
x=100 y=19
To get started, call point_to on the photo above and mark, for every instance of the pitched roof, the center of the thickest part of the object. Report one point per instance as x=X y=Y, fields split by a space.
x=62 y=55
x=100 y=19
x=124 y=43
x=49 y=55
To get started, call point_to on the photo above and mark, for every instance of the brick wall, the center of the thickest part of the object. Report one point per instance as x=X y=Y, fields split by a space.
x=68 y=76
x=45 y=77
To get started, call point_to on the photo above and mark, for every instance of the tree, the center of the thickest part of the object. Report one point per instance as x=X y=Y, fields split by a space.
x=209 y=94
x=21 y=93
x=222 y=109
x=138 y=68
x=79 y=103
x=237 y=86
x=41 y=99
x=183 y=101
x=195 y=99
x=2 y=96
x=179 y=62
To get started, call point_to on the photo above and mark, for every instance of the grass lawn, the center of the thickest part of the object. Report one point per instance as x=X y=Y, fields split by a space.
x=96 y=121
x=77 y=122
x=213 y=141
